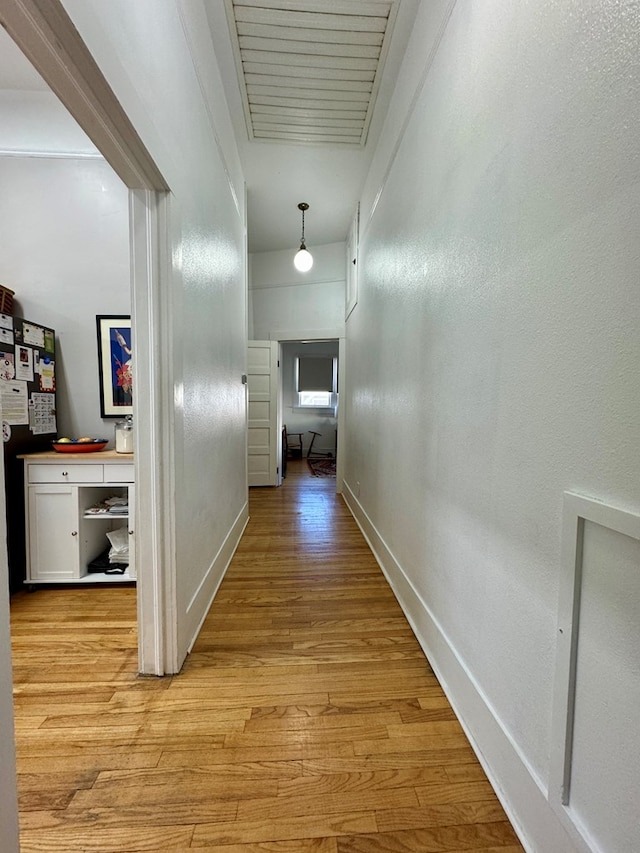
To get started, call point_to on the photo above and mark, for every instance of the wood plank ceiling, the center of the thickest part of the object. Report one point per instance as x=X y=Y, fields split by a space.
x=309 y=70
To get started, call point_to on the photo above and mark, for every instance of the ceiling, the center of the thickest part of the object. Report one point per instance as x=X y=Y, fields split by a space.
x=309 y=72
x=308 y=83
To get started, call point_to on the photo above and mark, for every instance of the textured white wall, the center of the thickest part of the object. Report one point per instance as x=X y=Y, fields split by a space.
x=158 y=60
x=64 y=250
x=495 y=341
x=283 y=299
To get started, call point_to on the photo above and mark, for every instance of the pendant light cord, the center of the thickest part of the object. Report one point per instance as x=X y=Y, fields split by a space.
x=302 y=207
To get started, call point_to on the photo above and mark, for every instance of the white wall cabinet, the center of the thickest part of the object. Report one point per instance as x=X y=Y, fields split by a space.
x=63 y=535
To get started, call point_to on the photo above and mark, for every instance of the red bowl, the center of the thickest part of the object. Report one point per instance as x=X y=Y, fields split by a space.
x=79 y=447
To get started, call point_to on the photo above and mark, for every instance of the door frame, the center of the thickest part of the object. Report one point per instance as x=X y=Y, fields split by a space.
x=45 y=33
x=289 y=335
x=154 y=436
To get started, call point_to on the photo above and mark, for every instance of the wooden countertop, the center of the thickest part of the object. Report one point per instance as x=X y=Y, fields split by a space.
x=91 y=456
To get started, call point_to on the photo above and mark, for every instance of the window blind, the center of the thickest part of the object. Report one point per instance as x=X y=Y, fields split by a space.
x=315 y=374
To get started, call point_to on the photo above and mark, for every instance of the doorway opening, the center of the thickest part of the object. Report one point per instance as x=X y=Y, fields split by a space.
x=143 y=217
x=275 y=402
x=331 y=423
x=310 y=395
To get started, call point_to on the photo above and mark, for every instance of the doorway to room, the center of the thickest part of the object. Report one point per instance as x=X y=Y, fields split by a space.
x=135 y=169
x=309 y=396
x=281 y=396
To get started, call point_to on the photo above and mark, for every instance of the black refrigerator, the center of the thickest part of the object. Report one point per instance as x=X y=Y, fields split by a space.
x=28 y=397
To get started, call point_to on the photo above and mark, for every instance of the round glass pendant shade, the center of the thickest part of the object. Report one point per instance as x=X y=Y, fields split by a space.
x=303 y=261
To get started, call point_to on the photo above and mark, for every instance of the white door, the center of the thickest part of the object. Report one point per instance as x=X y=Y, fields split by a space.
x=263 y=439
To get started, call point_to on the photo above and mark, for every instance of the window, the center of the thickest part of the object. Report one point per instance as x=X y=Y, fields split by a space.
x=317 y=382
x=319 y=399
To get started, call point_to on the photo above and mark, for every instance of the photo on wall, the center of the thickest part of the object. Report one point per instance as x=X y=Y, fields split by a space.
x=115 y=365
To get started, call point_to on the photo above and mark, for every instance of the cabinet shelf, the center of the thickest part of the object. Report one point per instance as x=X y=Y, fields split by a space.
x=63 y=536
x=89 y=578
x=105 y=516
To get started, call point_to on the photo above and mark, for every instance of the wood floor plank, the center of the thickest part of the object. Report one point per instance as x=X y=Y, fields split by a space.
x=91 y=760
x=439 y=840
x=299 y=845
x=134 y=817
x=305 y=720
x=173 y=756
x=324 y=804
x=410 y=744
x=392 y=761
x=95 y=839
x=441 y=814
x=378 y=780
x=321 y=722
x=308 y=735
x=284 y=829
x=398 y=706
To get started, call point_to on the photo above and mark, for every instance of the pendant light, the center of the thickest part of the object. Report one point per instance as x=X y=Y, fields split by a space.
x=303 y=260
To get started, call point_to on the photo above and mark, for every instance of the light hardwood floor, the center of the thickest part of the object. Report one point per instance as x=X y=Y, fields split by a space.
x=306 y=719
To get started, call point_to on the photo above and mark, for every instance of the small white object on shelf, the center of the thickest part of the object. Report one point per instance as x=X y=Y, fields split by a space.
x=124 y=435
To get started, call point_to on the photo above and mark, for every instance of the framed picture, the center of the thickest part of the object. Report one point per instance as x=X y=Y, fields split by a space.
x=115 y=366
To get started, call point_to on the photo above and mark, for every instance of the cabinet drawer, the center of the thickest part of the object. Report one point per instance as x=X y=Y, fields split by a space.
x=118 y=473
x=65 y=473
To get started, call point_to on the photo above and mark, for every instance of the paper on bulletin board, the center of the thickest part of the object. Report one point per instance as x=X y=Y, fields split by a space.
x=24 y=363
x=47 y=375
x=6 y=321
x=33 y=335
x=42 y=414
x=49 y=341
x=6 y=336
x=14 y=399
x=7 y=366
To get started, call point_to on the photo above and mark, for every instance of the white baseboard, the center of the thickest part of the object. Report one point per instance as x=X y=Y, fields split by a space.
x=520 y=792
x=202 y=600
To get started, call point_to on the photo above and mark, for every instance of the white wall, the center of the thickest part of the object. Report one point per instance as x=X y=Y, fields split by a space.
x=294 y=304
x=36 y=122
x=158 y=60
x=493 y=352
x=64 y=250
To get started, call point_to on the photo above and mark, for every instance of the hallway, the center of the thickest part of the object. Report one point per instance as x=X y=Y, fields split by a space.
x=305 y=719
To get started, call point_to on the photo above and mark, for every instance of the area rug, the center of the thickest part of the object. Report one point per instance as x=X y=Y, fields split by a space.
x=322 y=467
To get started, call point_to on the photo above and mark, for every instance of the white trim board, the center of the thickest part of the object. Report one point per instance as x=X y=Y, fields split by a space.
x=50 y=155
x=154 y=434
x=519 y=790
x=202 y=600
x=306 y=335
x=577 y=510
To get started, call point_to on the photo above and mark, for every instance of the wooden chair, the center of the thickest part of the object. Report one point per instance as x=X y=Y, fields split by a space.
x=292 y=444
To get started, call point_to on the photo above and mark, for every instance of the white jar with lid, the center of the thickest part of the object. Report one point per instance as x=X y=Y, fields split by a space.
x=124 y=436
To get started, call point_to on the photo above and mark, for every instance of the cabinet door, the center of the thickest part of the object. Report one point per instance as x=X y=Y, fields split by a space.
x=131 y=571
x=53 y=533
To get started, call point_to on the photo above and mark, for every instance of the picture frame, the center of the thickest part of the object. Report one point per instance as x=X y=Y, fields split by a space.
x=115 y=363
